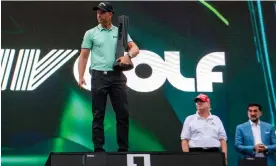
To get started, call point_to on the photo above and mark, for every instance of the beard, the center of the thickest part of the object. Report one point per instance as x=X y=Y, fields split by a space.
x=254 y=119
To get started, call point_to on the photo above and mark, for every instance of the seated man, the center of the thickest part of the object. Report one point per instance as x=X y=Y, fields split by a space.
x=202 y=131
x=256 y=138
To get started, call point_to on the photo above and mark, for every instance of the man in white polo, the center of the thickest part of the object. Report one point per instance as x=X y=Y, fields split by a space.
x=202 y=131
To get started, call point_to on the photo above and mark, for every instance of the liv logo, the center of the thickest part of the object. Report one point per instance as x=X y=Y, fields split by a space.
x=30 y=71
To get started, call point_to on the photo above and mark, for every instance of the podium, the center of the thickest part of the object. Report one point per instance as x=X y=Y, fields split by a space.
x=253 y=162
x=136 y=159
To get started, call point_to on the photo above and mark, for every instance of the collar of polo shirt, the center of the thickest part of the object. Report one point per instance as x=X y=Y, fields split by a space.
x=102 y=28
x=209 y=117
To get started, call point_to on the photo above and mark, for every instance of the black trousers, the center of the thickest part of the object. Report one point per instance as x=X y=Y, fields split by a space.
x=112 y=83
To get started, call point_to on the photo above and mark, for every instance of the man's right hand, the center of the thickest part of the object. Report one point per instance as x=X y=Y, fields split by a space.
x=81 y=82
x=82 y=65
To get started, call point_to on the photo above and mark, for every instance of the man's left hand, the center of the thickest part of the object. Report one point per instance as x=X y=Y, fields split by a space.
x=124 y=60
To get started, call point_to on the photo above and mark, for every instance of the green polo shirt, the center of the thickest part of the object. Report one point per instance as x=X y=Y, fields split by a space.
x=102 y=43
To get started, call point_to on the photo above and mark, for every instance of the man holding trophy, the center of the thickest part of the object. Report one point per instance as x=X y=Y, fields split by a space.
x=107 y=44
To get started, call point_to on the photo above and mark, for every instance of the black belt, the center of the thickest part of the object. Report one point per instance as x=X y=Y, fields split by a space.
x=212 y=149
x=105 y=72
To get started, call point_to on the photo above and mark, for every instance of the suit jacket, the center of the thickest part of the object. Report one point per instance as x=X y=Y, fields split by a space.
x=244 y=140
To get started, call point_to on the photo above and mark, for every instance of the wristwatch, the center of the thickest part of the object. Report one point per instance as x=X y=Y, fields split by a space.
x=266 y=150
x=129 y=55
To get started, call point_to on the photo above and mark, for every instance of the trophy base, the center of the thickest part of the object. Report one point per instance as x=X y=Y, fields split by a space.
x=118 y=67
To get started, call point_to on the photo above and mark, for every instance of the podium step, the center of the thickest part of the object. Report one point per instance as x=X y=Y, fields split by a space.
x=135 y=159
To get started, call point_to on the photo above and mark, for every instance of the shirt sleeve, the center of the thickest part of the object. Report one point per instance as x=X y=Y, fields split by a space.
x=87 y=40
x=186 y=133
x=221 y=133
x=129 y=38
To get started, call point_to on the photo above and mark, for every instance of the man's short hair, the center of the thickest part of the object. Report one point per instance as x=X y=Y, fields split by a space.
x=256 y=105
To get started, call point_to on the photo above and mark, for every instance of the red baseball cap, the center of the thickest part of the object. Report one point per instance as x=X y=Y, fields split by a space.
x=203 y=98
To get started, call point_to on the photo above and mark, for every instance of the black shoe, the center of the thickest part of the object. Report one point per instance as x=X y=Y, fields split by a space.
x=99 y=150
